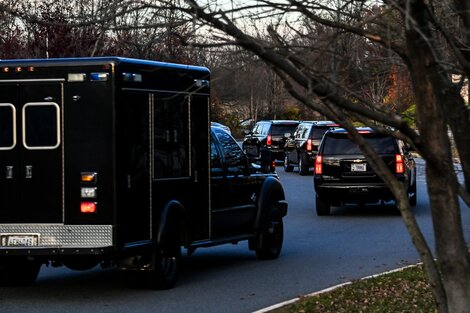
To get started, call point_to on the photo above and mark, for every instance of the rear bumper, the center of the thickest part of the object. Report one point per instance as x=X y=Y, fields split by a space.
x=277 y=153
x=56 y=239
x=337 y=194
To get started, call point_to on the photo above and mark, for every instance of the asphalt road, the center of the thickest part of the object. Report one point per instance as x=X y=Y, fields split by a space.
x=318 y=252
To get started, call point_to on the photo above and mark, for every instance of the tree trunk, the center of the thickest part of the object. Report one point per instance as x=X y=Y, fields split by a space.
x=451 y=248
x=428 y=80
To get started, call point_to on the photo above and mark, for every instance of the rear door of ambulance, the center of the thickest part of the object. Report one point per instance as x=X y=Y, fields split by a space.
x=31 y=184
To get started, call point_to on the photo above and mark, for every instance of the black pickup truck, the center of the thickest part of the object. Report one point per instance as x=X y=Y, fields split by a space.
x=111 y=161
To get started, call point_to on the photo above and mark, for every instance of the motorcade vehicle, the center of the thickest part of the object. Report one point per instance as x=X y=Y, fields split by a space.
x=224 y=127
x=265 y=142
x=301 y=147
x=111 y=161
x=343 y=175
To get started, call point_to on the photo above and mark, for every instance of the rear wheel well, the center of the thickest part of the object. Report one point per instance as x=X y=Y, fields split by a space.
x=173 y=221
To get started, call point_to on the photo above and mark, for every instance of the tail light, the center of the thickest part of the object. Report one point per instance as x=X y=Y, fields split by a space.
x=269 y=140
x=88 y=191
x=88 y=207
x=318 y=165
x=399 y=164
x=309 y=145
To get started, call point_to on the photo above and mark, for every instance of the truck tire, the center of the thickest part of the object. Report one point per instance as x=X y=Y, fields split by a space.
x=322 y=206
x=287 y=166
x=271 y=237
x=18 y=271
x=303 y=164
x=165 y=265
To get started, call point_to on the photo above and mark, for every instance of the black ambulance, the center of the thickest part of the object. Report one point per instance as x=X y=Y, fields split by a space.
x=112 y=161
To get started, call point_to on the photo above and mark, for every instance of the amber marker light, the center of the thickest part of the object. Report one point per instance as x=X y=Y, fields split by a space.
x=88 y=177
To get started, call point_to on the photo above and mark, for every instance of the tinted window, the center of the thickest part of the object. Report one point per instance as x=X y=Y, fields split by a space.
x=41 y=125
x=305 y=131
x=232 y=152
x=298 y=131
x=7 y=135
x=215 y=158
x=343 y=145
x=280 y=130
x=318 y=132
x=171 y=136
x=264 y=129
x=258 y=129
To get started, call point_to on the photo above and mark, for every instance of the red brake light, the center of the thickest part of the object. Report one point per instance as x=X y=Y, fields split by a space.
x=318 y=165
x=88 y=207
x=399 y=165
x=309 y=145
x=269 y=140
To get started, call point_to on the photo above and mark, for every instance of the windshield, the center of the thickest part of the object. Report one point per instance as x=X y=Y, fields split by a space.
x=344 y=145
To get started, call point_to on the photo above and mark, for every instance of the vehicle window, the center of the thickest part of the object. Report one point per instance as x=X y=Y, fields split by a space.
x=318 y=132
x=298 y=131
x=171 y=136
x=402 y=147
x=265 y=129
x=305 y=132
x=233 y=154
x=41 y=125
x=343 y=145
x=280 y=130
x=256 y=129
x=215 y=157
x=7 y=126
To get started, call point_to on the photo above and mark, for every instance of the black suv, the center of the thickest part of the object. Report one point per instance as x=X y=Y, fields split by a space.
x=343 y=175
x=267 y=140
x=302 y=146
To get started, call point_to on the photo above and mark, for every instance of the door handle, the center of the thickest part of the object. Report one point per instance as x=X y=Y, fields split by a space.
x=9 y=172
x=29 y=171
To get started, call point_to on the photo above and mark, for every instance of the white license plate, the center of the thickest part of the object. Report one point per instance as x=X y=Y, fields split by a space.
x=20 y=240
x=358 y=167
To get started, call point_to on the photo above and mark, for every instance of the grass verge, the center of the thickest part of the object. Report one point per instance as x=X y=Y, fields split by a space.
x=402 y=291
